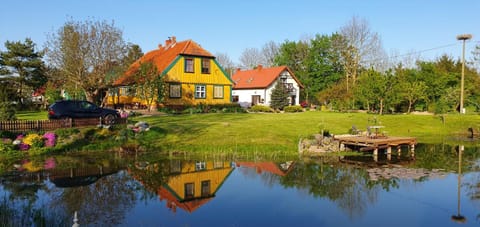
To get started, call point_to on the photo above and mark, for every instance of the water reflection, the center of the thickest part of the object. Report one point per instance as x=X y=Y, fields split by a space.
x=458 y=217
x=153 y=190
x=186 y=184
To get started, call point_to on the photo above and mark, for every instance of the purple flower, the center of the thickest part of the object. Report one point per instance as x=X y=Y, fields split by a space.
x=23 y=147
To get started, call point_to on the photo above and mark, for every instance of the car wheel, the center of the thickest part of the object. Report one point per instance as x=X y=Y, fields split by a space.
x=109 y=119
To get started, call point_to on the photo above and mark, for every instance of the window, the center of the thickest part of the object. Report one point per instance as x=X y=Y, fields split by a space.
x=235 y=98
x=200 y=91
x=217 y=165
x=189 y=65
x=205 y=188
x=218 y=92
x=175 y=166
x=200 y=166
x=189 y=190
x=175 y=91
x=205 y=66
x=127 y=91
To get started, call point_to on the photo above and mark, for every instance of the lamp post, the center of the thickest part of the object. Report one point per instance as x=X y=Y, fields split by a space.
x=463 y=37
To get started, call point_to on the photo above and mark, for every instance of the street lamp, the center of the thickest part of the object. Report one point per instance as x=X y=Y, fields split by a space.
x=463 y=37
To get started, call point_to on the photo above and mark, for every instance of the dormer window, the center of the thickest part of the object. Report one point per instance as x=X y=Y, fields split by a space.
x=189 y=65
x=205 y=66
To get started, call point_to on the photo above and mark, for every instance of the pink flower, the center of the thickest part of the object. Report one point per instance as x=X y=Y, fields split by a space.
x=50 y=139
x=49 y=163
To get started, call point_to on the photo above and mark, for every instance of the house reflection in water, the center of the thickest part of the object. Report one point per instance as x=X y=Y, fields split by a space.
x=191 y=184
x=279 y=169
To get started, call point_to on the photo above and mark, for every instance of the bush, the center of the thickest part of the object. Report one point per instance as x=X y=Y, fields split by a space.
x=260 y=108
x=203 y=108
x=293 y=109
x=7 y=111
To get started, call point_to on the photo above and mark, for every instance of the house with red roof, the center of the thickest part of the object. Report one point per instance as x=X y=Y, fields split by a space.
x=191 y=75
x=254 y=87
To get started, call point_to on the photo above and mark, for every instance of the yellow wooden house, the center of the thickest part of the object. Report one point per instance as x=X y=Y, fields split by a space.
x=191 y=74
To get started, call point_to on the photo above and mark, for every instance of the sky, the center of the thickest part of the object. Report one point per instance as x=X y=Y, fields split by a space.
x=426 y=27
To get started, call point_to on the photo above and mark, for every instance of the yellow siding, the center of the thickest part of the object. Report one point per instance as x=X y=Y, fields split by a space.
x=189 y=175
x=176 y=74
x=216 y=76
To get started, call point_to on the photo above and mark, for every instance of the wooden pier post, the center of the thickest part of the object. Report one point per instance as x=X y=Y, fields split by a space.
x=412 y=150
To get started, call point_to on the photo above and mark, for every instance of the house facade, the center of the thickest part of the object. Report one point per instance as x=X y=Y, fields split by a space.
x=190 y=73
x=254 y=87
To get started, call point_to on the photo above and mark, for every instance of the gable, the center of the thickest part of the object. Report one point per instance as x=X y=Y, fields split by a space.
x=163 y=58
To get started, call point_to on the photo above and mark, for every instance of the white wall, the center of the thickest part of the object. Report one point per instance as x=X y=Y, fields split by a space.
x=245 y=95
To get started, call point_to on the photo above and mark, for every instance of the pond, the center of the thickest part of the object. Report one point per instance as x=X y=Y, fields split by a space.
x=439 y=186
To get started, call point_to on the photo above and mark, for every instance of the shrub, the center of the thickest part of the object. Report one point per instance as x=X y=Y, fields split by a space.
x=7 y=111
x=292 y=109
x=34 y=140
x=260 y=108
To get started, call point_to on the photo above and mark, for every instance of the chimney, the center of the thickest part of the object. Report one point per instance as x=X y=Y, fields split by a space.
x=160 y=46
x=259 y=67
x=168 y=42
x=238 y=70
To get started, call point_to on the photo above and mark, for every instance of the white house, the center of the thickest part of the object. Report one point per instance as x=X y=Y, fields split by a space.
x=254 y=87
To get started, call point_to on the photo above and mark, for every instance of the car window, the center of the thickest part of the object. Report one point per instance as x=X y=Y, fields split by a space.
x=87 y=106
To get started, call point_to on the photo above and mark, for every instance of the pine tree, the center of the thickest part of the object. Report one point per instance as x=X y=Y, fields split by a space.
x=24 y=66
x=279 y=97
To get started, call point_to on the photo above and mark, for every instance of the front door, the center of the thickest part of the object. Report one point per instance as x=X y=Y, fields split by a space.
x=255 y=99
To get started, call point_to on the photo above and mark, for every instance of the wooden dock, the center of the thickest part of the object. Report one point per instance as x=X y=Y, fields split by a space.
x=370 y=143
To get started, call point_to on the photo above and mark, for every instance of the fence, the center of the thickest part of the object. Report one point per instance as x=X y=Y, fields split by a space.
x=45 y=125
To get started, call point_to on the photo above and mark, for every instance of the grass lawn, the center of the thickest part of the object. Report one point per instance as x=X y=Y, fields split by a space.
x=281 y=132
x=32 y=115
x=266 y=132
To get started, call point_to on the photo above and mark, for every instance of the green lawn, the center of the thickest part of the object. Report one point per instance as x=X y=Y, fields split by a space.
x=32 y=115
x=281 y=132
x=265 y=132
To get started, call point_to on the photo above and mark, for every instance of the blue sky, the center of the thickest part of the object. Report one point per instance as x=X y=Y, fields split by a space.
x=232 y=26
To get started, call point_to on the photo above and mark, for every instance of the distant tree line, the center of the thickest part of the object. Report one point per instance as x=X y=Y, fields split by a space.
x=349 y=70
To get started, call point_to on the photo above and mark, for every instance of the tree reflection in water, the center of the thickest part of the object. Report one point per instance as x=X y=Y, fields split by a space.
x=109 y=197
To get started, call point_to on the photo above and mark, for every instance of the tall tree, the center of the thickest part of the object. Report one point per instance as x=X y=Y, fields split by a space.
x=251 y=58
x=294 y=55
x=149 y=83
x=224 y=60
x=86 y=52
x=362 y=47
x=373 y=89
x=24 y=66
x=322 y=64
x=134 y=52
x=270 y=51
x=476 y=58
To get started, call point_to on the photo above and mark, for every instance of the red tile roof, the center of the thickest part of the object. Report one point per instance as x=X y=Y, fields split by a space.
x=173 y=202
x=270 y=167
x=164 y=57
x=259 y=77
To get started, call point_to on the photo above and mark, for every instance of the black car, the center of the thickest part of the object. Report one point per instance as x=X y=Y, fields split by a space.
x=66 y=109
